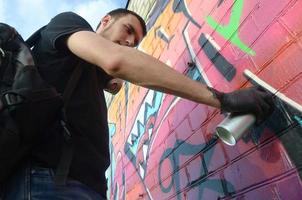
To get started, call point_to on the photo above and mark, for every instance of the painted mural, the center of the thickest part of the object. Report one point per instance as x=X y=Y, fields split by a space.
x=165 y=147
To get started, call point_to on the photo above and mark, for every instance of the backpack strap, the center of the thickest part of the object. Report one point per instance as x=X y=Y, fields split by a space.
x=68 y=145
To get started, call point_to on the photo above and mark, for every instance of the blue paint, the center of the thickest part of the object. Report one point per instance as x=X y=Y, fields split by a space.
x=112 y=129
x=149 y=111
x=181 y=6
x=298 y=119
x=227 y=70
x=204 y=182
x=143 y=127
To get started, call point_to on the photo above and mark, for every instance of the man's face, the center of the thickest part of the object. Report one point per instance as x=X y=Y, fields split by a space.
x=125 y=30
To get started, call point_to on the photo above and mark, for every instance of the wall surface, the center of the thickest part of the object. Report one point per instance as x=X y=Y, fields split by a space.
x=164 y=147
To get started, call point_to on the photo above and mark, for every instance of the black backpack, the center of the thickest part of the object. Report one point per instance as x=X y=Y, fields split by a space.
x=28 y=104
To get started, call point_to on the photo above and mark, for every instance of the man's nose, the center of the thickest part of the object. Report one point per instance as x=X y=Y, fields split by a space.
x=130 y=41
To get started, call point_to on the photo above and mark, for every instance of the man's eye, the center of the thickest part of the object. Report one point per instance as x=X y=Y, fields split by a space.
x=128 y=29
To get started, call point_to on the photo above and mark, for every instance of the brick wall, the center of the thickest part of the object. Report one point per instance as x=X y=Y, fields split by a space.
x=163 y=147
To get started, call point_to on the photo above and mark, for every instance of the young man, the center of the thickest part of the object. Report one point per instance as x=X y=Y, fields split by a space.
x=67 y=40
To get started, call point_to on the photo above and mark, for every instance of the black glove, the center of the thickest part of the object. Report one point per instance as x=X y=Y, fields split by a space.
x=254 y=100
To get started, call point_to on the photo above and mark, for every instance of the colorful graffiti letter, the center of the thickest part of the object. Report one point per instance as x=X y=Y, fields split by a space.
x=230 y=32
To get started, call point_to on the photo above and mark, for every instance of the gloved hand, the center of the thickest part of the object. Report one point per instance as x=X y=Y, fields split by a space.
x=254 y=100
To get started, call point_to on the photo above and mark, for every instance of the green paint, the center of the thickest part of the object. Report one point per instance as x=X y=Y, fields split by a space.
x=230 y=31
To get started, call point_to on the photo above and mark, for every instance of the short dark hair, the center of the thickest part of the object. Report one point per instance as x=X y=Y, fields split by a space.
x=121 y=12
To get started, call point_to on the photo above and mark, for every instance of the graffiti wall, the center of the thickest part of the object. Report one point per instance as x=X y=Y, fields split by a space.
x=165 y=147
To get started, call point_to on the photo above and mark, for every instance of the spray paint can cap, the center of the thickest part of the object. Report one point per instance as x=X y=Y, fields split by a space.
x=231 y=129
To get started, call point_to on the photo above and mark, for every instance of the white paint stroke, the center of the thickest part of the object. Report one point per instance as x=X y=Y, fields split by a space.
x=194 y=57
x=274 y=91
x=213 y=42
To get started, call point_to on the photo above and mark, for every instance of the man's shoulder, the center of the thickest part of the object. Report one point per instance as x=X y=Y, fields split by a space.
x=60 y=27
x=68 y=14
x=70 y=17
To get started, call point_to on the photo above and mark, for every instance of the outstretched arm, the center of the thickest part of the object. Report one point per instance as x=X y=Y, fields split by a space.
x=137 y=67
x=144 y=70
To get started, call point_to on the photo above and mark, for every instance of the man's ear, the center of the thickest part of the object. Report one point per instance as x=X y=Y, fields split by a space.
x=105 y=20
